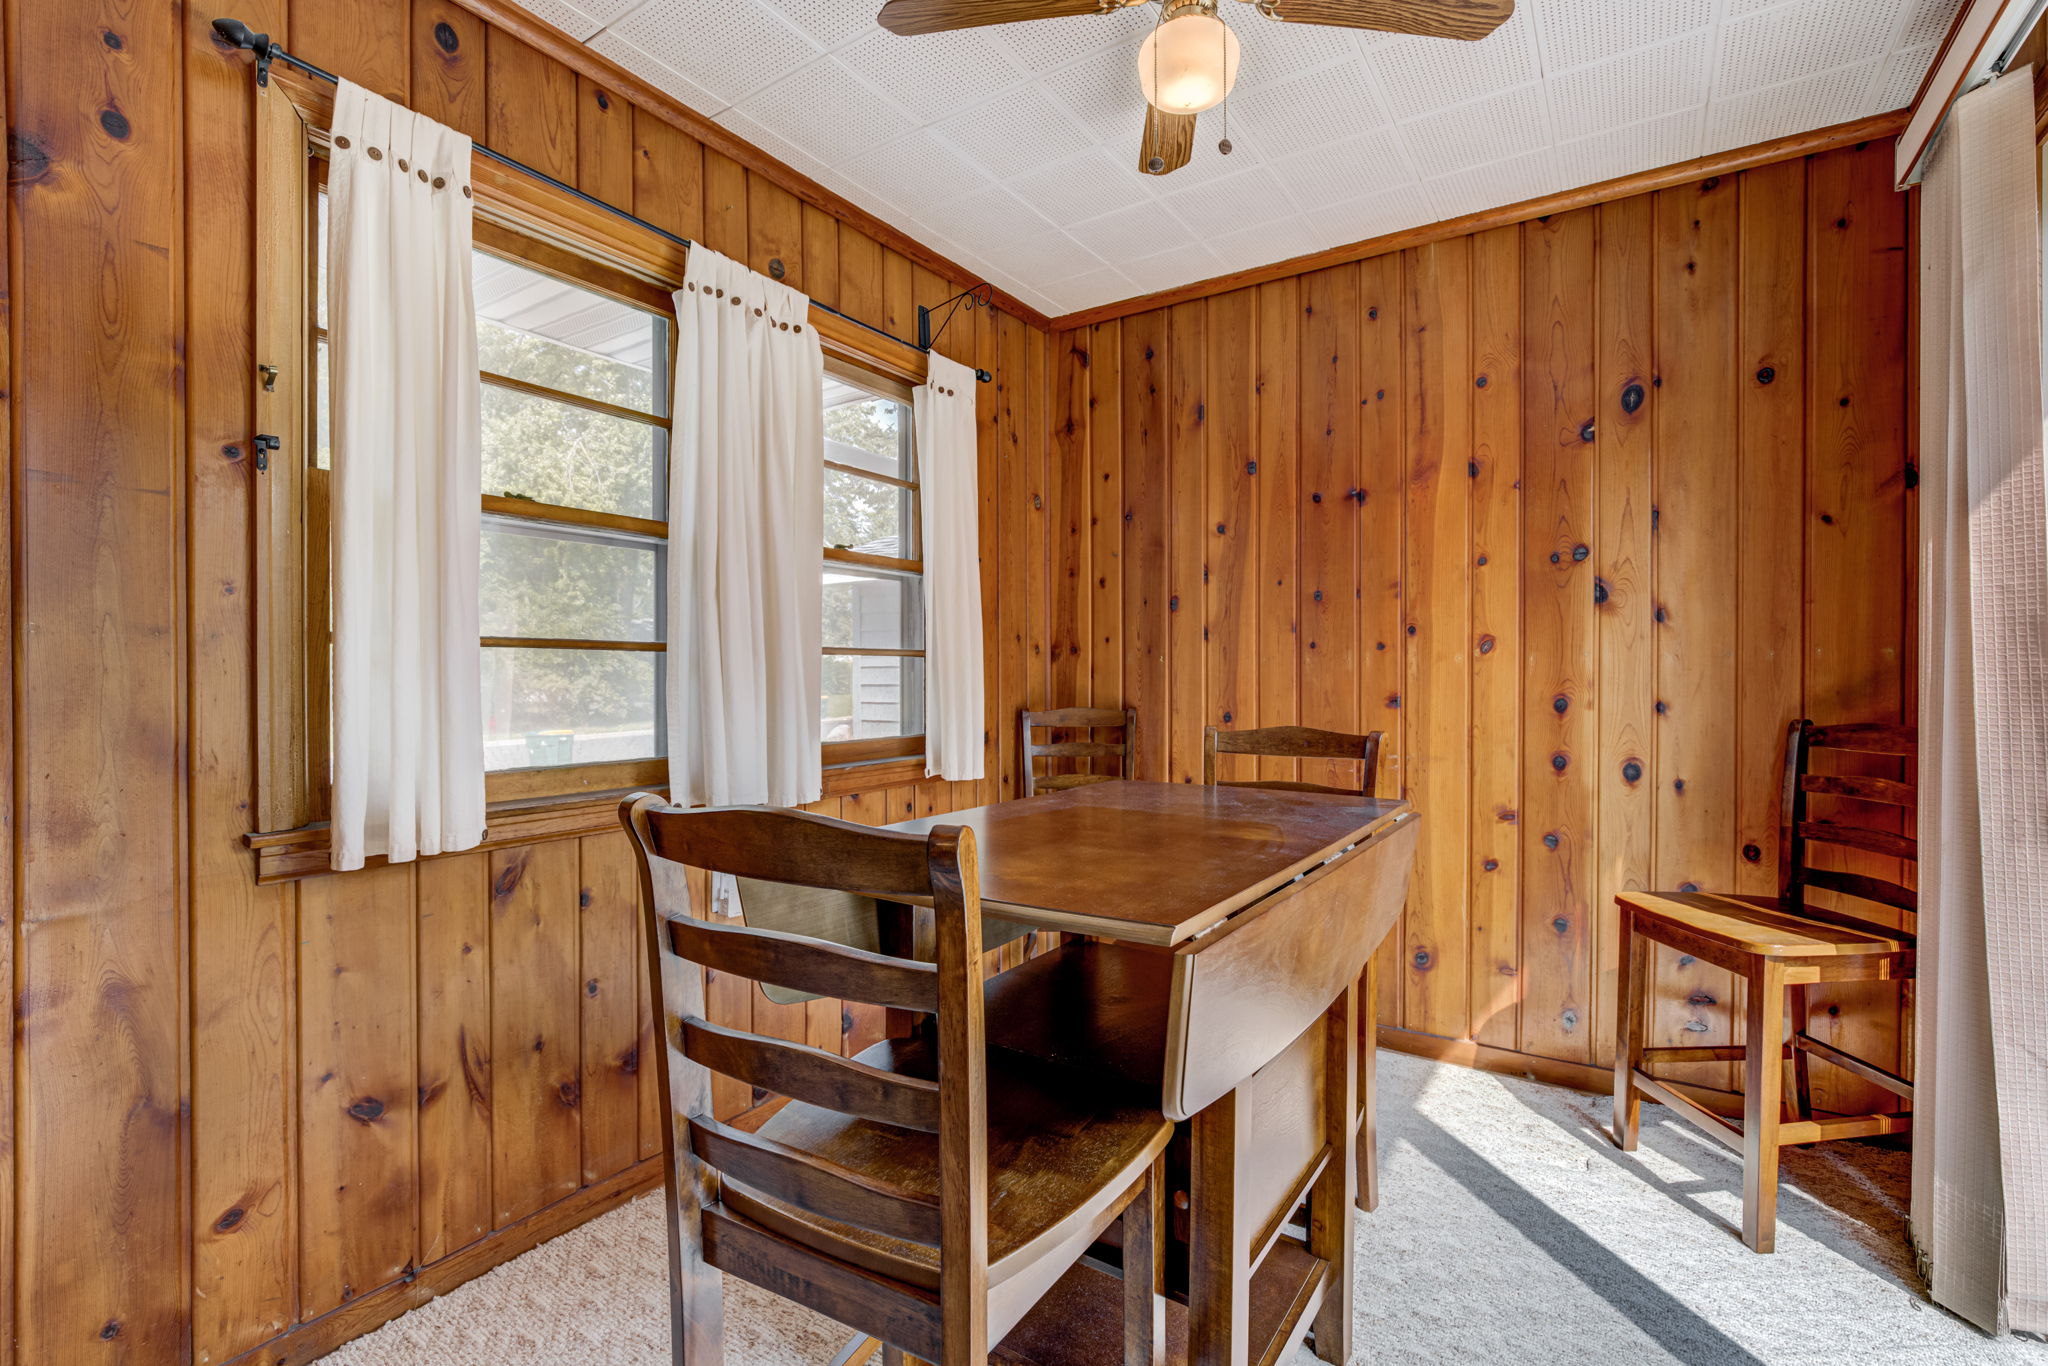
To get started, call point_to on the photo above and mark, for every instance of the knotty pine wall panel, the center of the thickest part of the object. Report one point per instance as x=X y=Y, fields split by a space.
x=318 y=1103
x=1579 y=512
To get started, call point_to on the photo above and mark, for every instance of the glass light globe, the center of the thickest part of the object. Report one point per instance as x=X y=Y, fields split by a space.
x=1188 y=64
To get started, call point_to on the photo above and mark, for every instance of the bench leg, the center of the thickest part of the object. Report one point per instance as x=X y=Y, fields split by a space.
x=1628 y=1044
x=1763 y=1100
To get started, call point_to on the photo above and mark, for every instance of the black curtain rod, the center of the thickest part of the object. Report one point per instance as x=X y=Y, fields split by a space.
x=237 y=34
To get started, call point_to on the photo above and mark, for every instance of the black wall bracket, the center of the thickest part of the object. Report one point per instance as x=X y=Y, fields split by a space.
x=982 y=295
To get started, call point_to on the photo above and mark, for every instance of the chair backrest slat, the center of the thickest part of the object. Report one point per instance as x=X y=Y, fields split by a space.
x=1123 y=749
x=790 y=960
x=1886 y=790
x=812 y=1075
x=1859 y=811
x=1294 y=742
x=792 y=846
x=812 y=1183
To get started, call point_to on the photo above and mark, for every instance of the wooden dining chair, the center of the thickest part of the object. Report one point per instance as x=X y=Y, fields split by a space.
x=1295 y=742
x=1781 y=947
x=1124 y=721
x=1336 y=747
x=924 y=1192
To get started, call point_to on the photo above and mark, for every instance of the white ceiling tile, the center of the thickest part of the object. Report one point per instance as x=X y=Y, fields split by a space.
x=828 y=23
x=1474 y=134
x=1503 y=182
x=1814 y=102
x=579 y=21
x=932 y=75
x=1641 y=85
x=1309 y=110
x=1012 y=149
x=1624 y=151
x=1903 y=72
x=1101 y=90
x=1141 y=230
x=1786 y=43
x=657 y=73
x=1243 y=199
x=1018 y=132
x=915 y=170
x=1047 y=43
x=731 y=51
x=861 y=119
x=1367 y=164
x=1421 y=74
x=1576 y=32
x=1092 y=183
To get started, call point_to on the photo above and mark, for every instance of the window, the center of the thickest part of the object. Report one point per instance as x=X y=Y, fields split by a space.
x=872 y=683
x=576 y=378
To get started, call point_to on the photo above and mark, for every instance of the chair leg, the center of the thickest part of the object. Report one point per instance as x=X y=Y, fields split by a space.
x=1763 y=1102
x=1802 y=1082
x=1145 y=1272
x=1368 y=1086
x=1630 y=990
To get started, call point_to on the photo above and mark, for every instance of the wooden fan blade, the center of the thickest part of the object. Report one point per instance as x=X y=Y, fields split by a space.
x=1467 y=19
x=938 y=16
x=1170 y=138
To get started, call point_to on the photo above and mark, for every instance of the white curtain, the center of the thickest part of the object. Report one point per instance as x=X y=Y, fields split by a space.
x=408 y=729
x=746 y=524
x=947 y=460
x=1980 y=1149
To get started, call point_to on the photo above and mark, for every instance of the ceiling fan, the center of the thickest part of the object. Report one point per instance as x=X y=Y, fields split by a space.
x=1189 y=62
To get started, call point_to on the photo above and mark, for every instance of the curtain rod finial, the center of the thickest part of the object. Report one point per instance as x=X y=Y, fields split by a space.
x=237 y=34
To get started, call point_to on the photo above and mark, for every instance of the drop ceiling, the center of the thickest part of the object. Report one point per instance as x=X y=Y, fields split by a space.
x=1013 y=149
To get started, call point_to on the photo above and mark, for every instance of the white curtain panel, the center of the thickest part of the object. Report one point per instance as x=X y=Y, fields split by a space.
x=746 y=525
x=408 y=729
x=948 y=458
x=1980 y=1155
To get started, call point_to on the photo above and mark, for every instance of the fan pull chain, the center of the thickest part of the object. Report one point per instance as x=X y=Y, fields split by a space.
x=1224 y=145
x=1156 y=164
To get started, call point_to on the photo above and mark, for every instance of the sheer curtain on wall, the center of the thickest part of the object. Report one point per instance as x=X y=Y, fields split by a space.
x=408 y=727
x=948 y=456
x=1980 y=1156
x=746 y=521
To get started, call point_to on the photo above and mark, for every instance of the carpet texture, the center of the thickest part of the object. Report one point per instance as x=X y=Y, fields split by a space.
x=1510 y=1230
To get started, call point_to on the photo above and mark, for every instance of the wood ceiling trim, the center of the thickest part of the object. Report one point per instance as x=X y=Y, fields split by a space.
x=539 y=34
x=1869 y=129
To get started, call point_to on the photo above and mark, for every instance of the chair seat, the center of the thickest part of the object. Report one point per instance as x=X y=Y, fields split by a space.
x=1055 y=782
x=1764 y=926
x=1061 y=1148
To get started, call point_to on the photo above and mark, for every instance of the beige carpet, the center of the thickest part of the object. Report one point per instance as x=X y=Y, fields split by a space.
x=1510 y=1230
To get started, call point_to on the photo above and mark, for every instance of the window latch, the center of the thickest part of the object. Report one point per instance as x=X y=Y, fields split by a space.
x=269 y=374
x=265 y=444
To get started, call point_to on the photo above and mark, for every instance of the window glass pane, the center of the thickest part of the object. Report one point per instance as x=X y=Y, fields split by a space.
x=564 y=585
x=547 y=708
x=869 y=697
x=323 y=428
x=864 y=431
x=872 y=609
x=547 y=331
x=557 y=453
x=868 y=516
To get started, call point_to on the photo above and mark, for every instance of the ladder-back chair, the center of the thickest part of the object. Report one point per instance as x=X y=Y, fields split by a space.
x=1122 y=720
x=1781 y=947
x=1332 y=747
x=924 y=1192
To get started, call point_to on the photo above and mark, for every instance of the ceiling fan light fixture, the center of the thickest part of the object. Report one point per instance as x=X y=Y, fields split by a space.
x=1188 y=64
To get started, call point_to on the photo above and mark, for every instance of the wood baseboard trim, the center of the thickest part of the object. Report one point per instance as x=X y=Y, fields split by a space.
x=1849 y=134
x=317 y=1337
x=1576 y=1076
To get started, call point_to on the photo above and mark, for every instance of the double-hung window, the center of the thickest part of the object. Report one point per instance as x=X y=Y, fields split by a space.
x=872 y=692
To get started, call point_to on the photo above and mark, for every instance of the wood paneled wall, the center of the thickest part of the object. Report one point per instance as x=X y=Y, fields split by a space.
x=250 y=1121
x=1580 y=512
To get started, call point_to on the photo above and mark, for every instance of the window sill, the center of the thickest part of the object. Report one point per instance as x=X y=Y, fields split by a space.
x=288 y=855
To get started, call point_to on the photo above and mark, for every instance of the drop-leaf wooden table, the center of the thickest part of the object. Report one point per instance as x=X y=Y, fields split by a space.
x=1238 y=922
